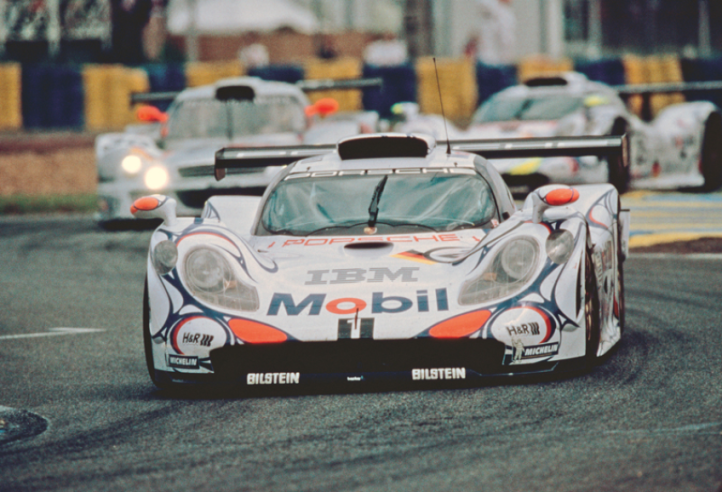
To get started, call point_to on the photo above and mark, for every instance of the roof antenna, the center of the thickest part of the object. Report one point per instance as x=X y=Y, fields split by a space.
x=443 y=115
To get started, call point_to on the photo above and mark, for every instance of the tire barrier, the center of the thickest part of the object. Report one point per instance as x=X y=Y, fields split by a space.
x=165 y=78
x=491 y=79
x=703 y=70
x=609 y=72
x=203 y=73
x=107 y=95
x=52 y=96
x=96 y=97
x=399 y=84
x=339 y=68
x=457 y=79
x=10 y=96
x=653 y=70
x=537 y=65
x=279 y=73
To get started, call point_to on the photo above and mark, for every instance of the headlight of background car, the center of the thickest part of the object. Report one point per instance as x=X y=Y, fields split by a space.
x=131 y=164
x=510 y=269
x=210 y=278
x=559 y=246
x=156 y=177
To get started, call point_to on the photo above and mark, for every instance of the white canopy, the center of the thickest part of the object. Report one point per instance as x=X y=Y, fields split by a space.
x=236 y=16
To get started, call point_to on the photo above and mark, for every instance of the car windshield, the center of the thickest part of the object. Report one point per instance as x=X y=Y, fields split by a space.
x=340 y=205
x=209 y=118
x=550 y=107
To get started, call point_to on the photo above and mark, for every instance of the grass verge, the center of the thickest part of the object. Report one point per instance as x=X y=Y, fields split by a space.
x=32 y=204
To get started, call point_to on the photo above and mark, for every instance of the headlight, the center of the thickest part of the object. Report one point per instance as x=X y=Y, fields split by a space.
x=156 y=177
x=210 y=278
x=559 y=246
x=131 y=164
x=510 y=269
x=164 y=257
x=519 y=257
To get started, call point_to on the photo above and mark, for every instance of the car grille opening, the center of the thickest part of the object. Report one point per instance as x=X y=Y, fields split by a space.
x=354 y=356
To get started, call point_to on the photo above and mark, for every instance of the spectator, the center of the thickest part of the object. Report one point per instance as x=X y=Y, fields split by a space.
x=129 y=20
x=496 y=35
x=255 y=54
x=386 y=50
x=326 y=49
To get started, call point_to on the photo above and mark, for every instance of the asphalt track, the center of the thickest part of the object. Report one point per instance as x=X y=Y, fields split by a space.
x=72 y=372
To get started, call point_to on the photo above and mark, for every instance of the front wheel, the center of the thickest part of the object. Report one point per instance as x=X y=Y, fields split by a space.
x=148 y=342
x=591 y=311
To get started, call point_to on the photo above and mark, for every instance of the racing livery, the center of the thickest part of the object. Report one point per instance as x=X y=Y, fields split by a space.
x=385 y=257
x=174 y=153
x=681 y=147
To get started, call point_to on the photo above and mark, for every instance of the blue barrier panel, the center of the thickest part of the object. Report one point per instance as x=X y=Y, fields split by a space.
x=65 y=97
x=610 y=71
x=399 y=85
x=165 y=78
x=52 y=96
x=34 y=95
x=279 y=73
x=703 y=70
x=491 y=79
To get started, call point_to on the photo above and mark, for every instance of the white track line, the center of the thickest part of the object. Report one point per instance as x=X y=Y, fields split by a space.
x=53 y=332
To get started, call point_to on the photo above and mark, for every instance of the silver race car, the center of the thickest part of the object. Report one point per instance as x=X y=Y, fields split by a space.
x=681 y=147
x=385 y=257
x=174 y=155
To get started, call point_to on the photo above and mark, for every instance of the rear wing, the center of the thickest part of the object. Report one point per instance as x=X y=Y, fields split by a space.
x=250 y=157
x=648 y=90
x=304 y=85
x=512 y=148
x=611 y=147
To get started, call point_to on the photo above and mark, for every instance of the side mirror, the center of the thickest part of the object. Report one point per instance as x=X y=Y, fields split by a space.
x=551 y=196
x=155 y=207
x=151 y=114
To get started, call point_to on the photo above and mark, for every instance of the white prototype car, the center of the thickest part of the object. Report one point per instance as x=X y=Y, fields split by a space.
x=175 y=155
x=681 y=147
x=385 y=257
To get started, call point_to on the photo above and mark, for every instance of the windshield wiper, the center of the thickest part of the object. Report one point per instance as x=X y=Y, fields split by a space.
x=374 y=207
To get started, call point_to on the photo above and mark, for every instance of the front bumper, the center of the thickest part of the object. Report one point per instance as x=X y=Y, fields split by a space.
x=415 y=361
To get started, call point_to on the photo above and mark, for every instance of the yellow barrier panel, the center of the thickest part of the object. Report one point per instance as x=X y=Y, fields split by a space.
x=653 y=70
x=537 y=65
x=107 y=95
x=457 y=79
x=204 y=73
x=341 y=68
x=10 y=94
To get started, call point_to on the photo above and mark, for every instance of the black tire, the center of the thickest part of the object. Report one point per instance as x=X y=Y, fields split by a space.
x=621 y=304
x=618 y=173
x=712 y=153
x=148 y=343
x=591 y=311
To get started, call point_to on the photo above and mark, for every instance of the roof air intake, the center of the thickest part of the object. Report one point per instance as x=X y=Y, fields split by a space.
x=385 y=145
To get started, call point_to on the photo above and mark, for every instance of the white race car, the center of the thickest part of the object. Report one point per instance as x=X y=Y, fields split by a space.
x=175 y=155
x=681 y=147
x=385 y=257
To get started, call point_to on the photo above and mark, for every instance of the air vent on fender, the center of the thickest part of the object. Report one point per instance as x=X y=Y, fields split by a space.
x=385 y=145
